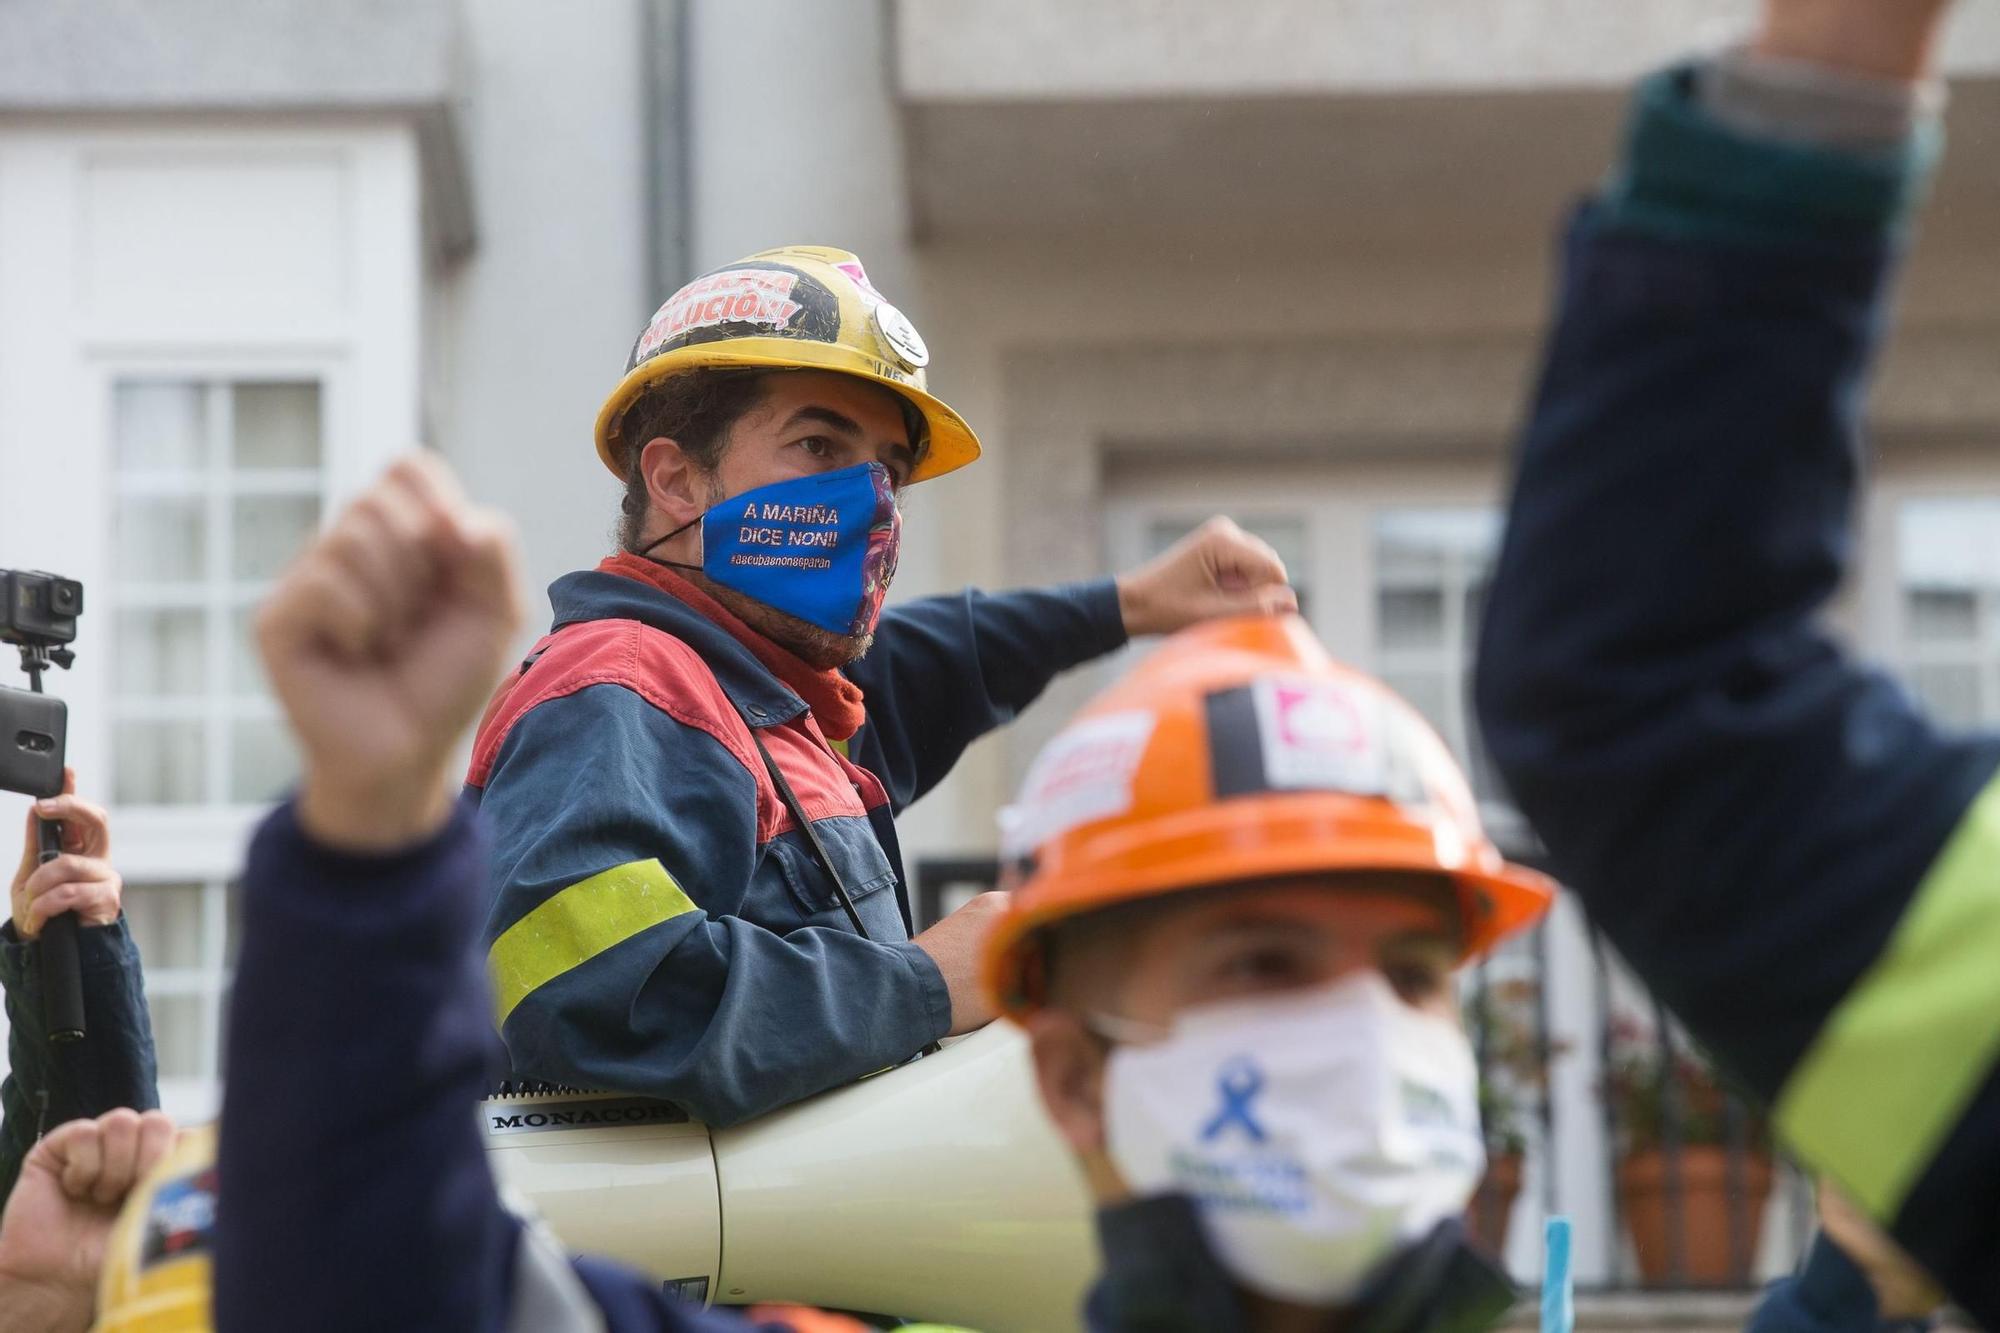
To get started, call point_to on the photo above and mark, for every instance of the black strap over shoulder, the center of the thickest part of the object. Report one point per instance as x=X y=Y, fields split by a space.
x=791 y=801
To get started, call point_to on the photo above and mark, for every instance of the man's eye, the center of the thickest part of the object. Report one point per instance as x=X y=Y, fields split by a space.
x=818 y=446
x=1415 y=982
x=1263 y=967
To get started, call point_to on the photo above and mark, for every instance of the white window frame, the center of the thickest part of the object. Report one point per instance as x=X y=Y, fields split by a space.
x=360 y=335
x=1885 y=614
x=202 y=843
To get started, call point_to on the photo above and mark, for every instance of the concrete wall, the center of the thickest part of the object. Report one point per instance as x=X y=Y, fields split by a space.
x=1023 y=49
x=532 y=330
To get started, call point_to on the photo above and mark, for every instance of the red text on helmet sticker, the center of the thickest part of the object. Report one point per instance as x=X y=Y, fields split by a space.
x=1084 y=774
x=734 y=296
x=1316 y=735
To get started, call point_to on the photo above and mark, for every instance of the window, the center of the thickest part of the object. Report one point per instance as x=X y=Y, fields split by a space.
x=217 y=484
x=1432 y=567
x=1948 y=572
x=186 y=932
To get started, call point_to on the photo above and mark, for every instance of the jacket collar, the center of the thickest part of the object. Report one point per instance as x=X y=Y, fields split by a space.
x=1160 y=1276
x=610 y=593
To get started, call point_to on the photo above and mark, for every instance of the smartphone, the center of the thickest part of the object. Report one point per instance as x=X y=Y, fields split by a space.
x=34 y=731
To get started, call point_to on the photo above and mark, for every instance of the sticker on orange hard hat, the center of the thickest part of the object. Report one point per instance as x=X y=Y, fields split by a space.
x=1084 y=774
x=1289 y=733
x=1319 y=736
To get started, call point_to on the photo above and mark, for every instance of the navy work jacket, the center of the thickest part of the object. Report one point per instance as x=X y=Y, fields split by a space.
x=662 y=925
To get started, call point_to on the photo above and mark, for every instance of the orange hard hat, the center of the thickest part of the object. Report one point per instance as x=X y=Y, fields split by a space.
x=1241 y=751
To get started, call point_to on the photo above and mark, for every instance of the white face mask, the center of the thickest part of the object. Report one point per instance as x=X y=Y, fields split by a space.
x=1315 y=1132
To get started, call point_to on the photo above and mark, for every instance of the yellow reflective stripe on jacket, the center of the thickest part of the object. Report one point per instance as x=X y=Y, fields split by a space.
x=577 y=924
x=1898 y=1061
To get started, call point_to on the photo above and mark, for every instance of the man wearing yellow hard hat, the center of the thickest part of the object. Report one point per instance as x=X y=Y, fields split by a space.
x=1248 y=874
x=693 y=778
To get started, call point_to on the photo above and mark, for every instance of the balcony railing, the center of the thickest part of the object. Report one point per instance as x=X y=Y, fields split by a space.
x=1618 y=1121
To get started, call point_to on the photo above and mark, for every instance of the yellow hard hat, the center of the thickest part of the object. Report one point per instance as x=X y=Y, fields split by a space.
x=799 y=307
x=157 y=1273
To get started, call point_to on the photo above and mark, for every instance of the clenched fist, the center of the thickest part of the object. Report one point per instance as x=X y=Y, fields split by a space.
x=383 y=641
x=56 y=1225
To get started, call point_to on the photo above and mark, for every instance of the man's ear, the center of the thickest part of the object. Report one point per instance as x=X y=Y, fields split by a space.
x=1069 y=1067
x=676 y=487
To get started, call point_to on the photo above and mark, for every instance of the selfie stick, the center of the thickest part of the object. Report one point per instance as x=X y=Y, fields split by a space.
x=62 y=977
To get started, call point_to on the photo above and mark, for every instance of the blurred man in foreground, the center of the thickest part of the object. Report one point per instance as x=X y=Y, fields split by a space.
x=1778 y=840
x=1250 y=873
x=353 y=1187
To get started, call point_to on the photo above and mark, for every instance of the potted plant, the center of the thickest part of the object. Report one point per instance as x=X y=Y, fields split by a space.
x=1513 y=1073
x=1672 y=1115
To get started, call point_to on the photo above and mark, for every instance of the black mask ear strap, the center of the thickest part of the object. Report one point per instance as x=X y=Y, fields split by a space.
x=645 y=553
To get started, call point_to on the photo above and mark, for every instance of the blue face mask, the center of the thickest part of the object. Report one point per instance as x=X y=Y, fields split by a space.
x=820 y=548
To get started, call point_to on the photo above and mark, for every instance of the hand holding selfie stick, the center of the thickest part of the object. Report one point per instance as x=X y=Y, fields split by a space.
x=62 y=976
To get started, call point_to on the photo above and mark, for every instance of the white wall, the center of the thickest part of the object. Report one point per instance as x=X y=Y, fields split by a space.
x=1004 y=49
x=204 y=249
x=533 y=329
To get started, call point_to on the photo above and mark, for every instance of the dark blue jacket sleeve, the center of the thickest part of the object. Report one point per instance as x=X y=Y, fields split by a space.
x=113 y=1066
x=354 y=1190
x=1745 y=810
x=944 y=671
x=694 y=1002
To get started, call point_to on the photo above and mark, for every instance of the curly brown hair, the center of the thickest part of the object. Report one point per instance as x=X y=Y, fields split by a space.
x=695 y=409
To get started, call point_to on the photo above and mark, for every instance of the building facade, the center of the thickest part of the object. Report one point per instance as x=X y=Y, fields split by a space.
x=1285 y=261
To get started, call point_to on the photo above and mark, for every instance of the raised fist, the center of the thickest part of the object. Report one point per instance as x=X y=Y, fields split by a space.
x=383 y=641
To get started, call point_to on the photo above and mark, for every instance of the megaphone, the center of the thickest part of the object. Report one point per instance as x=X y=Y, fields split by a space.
x=934 y=1191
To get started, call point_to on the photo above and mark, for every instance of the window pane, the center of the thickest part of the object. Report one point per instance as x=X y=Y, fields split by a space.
x=1411 y=617
x=1429 y=692
x=1943 y=615
x=246 y=672
x=161 y=540
x=165 y=920
x=1432 y=568
x=270 y=529
x=1951 y=691
x=158 y=763
x=177 y=1034
x=161 y=653
x=277 y=426
x=159 y=425
x=262 y=761
x=1948 y=561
